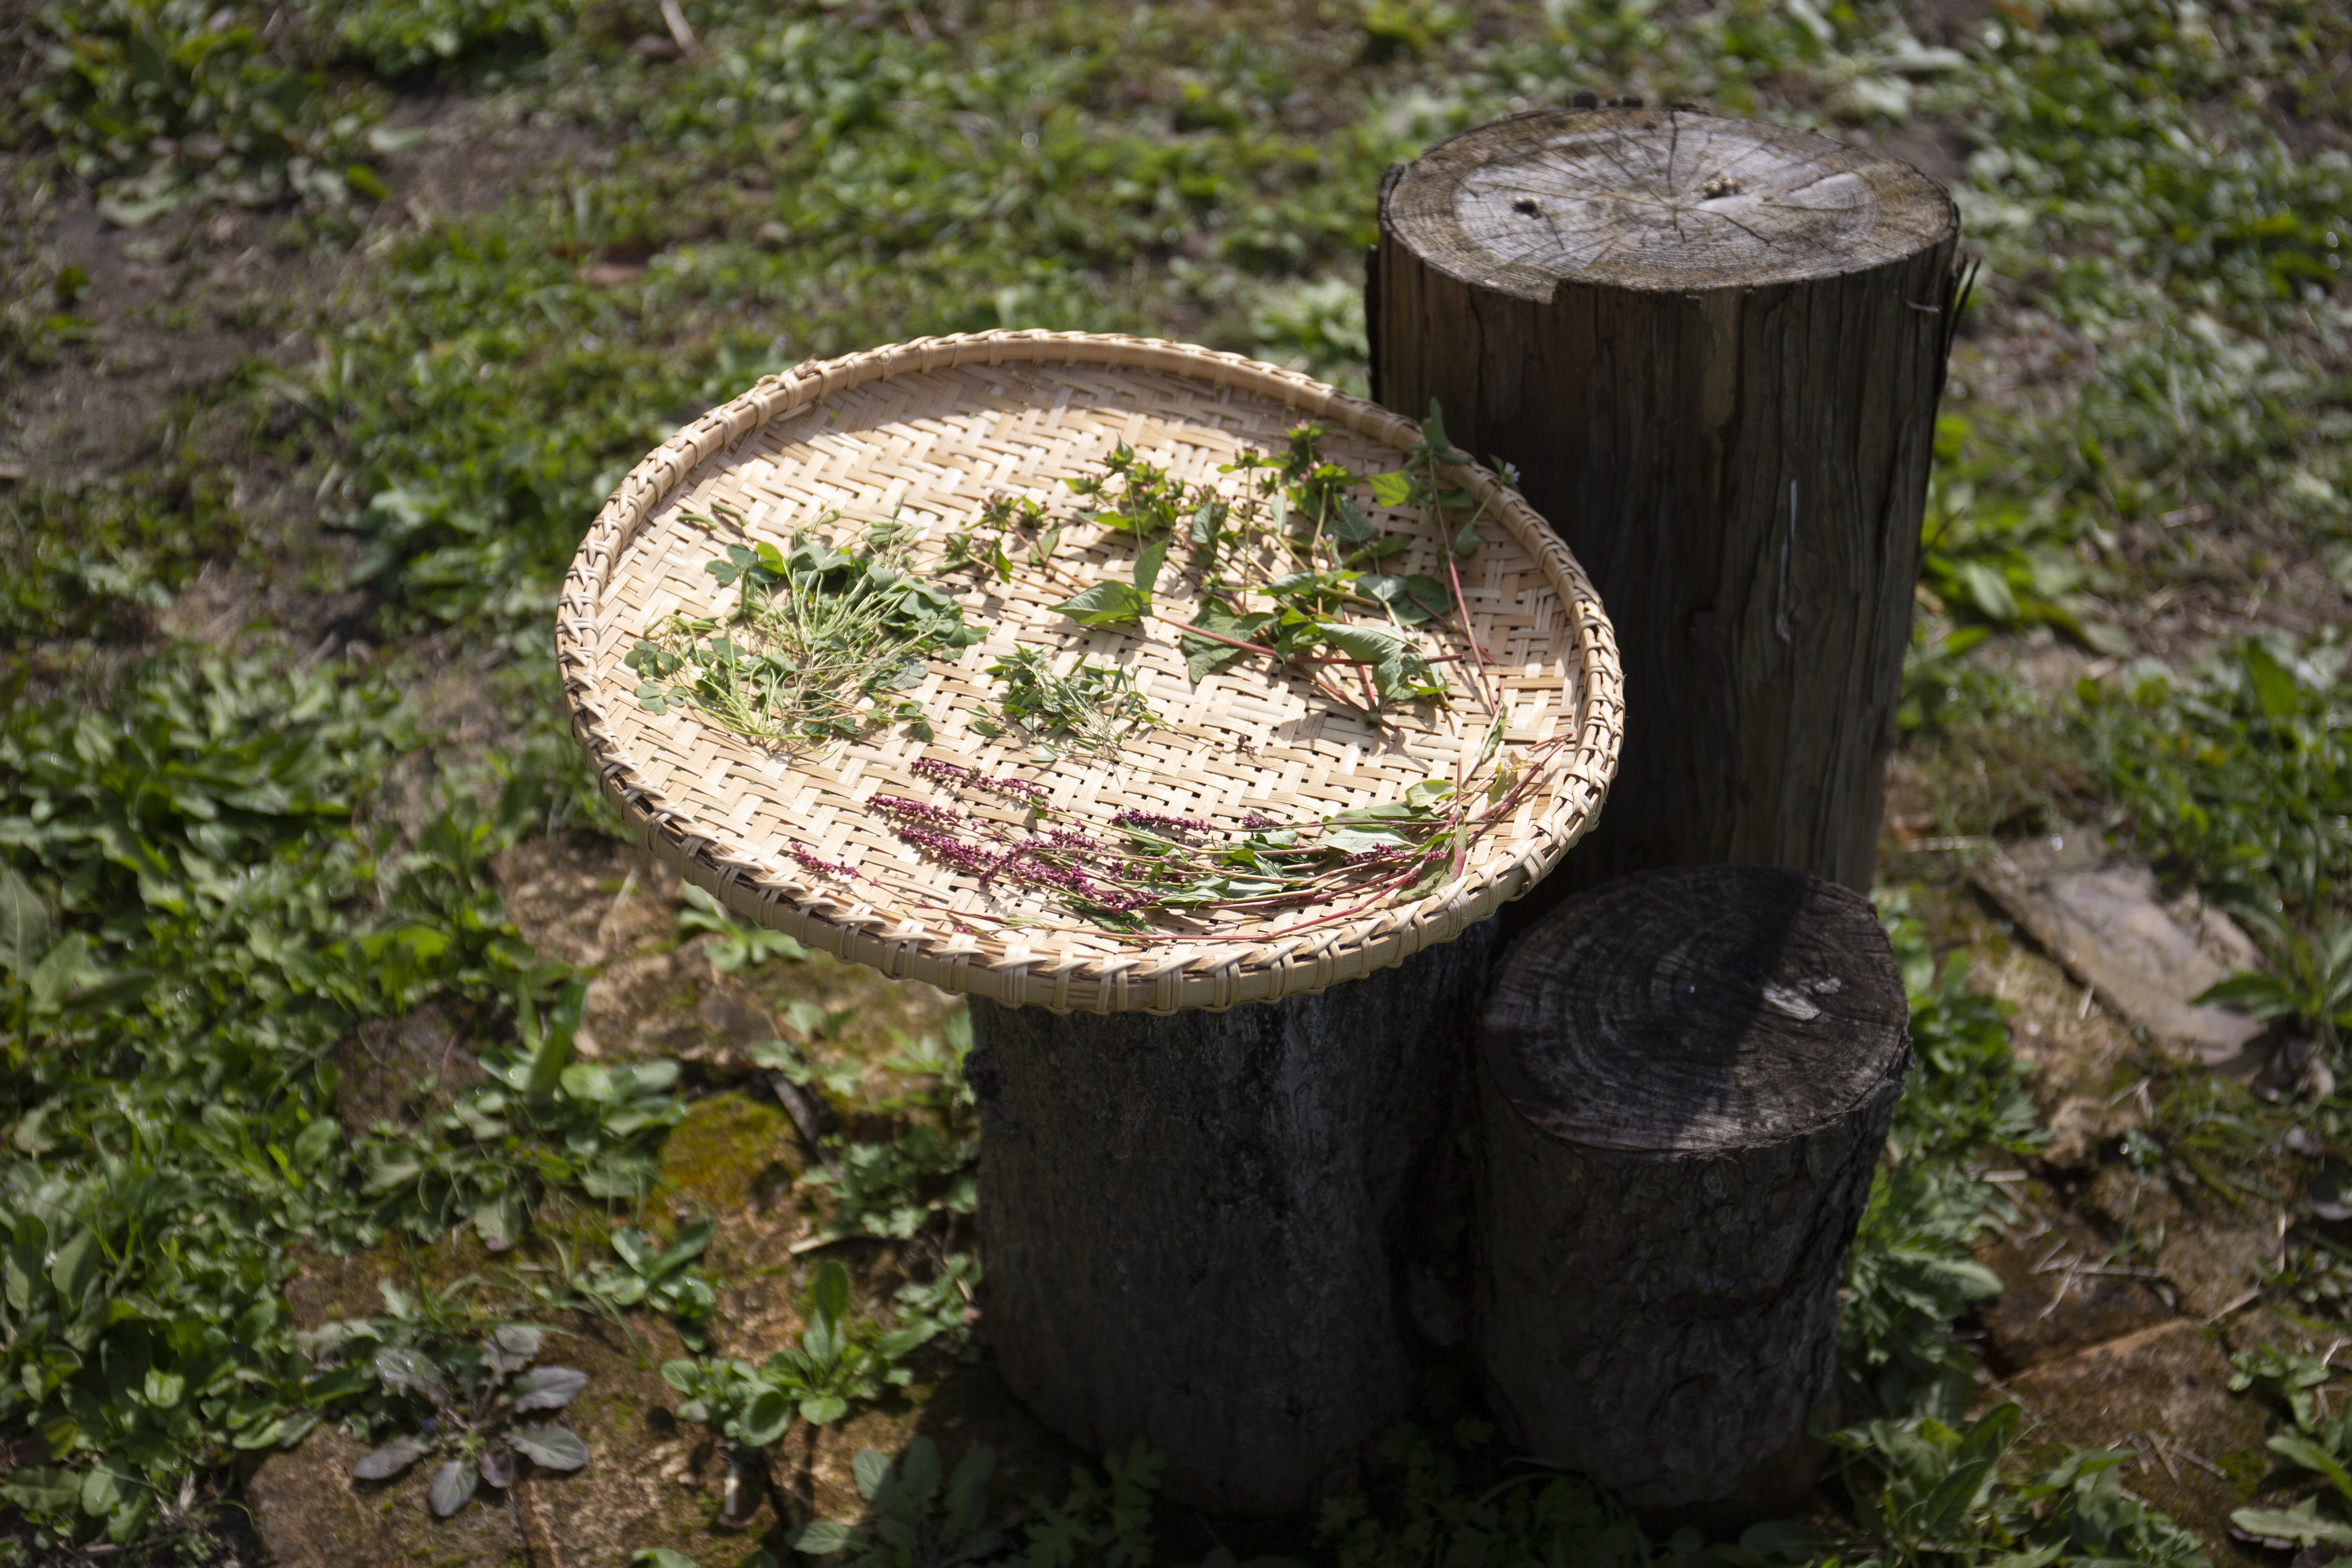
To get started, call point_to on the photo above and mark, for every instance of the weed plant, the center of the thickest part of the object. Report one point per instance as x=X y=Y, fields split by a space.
x=2238 y=779
x=202 y=896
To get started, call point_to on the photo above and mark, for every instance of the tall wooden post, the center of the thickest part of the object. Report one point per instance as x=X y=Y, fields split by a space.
x=1713 y=349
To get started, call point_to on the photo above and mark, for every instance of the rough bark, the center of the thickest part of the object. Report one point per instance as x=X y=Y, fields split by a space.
x=1714 y=350
x=1199 y=1229
x=1686 y=1078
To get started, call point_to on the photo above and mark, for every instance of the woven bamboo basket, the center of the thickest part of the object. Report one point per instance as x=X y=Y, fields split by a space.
x=923 y=433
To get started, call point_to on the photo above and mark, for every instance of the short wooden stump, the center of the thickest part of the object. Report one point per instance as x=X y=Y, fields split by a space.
x=1686 y=1078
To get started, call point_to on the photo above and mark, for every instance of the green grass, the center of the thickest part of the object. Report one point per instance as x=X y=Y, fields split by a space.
x=215 y=870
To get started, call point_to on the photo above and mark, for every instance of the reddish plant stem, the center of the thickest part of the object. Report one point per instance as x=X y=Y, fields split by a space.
x=1321 y=685
x=1469 y=632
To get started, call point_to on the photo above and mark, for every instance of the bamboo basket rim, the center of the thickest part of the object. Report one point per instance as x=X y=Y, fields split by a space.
x=1061 y=970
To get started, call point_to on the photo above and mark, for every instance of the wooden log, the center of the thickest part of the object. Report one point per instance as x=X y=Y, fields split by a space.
x=1714 y=350
x=1686 y=1078
x=1198 y=1228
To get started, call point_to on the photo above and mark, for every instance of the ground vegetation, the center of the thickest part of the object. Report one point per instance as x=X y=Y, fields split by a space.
x=347 y=1049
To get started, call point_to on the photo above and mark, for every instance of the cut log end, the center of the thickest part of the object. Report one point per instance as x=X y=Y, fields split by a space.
x=1659 y=199
x=1688 y=1077
x=1692 y=1012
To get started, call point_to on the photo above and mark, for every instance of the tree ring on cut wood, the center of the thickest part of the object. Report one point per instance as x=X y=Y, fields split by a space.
x=1657 y=199
x=1685 y=1080
x=1693 y=1013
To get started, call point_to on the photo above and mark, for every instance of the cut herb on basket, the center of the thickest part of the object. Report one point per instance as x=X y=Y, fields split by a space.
x=1144 y=865
x=1298 y=540
x=1093 y=709
x=819 y=643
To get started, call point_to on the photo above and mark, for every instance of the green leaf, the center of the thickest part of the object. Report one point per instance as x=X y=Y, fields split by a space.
x=75 y=1269
x=407 y=1372
x=870 y=1469
x=1393 y=489
x=58 y=973
x=587 y=1082
x=1988 y=589
x=40 y=1490
x=510 y=1347
x=552 y=1447
x=1148 y=562
x=553 y=1048
x=313 y=1143
x=766 y=1418
x=102 y=1491
x=2295 y=1445
x=823 y=1409
x=2302 y=1525
x=1433 y=433
x=1369 y=644
x=24 y=932
x=453 y=1486
x=823 y=1538
x=693 y=1236
x=1350 y=525
x=382 y=1463
x=1108 y=605
x=2273 y=688
x=1203 y=656
x=23 y=1270
x=829 y=1293
x=1945 y=1509
x=663 y=1557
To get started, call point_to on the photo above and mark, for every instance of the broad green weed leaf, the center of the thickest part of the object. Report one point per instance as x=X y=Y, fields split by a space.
x=766 y=1418
x=822 y=1538
x=829 y=1293
x=406 y=1372
x=2301 y=1449
x=453 y=1487
x=554 y=1447
x=24 y=932
x=75 y=1269
x=60 y=971
x=546 y=1388
x=2274 y=688
x=389 y=1460
x=2302 y=1525
x=871 y=1468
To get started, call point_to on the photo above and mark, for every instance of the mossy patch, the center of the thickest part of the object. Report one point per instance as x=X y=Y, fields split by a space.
x=730 y=1152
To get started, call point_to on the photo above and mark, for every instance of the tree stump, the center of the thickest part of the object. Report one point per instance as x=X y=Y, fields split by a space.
x=1714 y=350
x=1198 y=1227
x=1686 y=1078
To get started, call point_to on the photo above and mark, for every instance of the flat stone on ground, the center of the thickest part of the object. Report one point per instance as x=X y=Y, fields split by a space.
x=2061 y=1292
x=2163 y=1391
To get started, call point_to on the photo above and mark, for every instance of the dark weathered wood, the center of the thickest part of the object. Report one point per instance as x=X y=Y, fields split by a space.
x=1685 y=1081
x=1198 y=1228
x=1714 y=350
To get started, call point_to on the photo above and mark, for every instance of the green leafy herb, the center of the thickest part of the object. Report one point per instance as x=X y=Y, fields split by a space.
x=818 y=643
x=1093 y=711
x=475 y=1395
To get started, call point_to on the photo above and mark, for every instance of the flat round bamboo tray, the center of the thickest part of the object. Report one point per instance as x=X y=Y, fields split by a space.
x=923 y=433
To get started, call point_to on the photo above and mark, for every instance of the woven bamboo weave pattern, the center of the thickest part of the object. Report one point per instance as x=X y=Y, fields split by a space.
x=924 y=433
